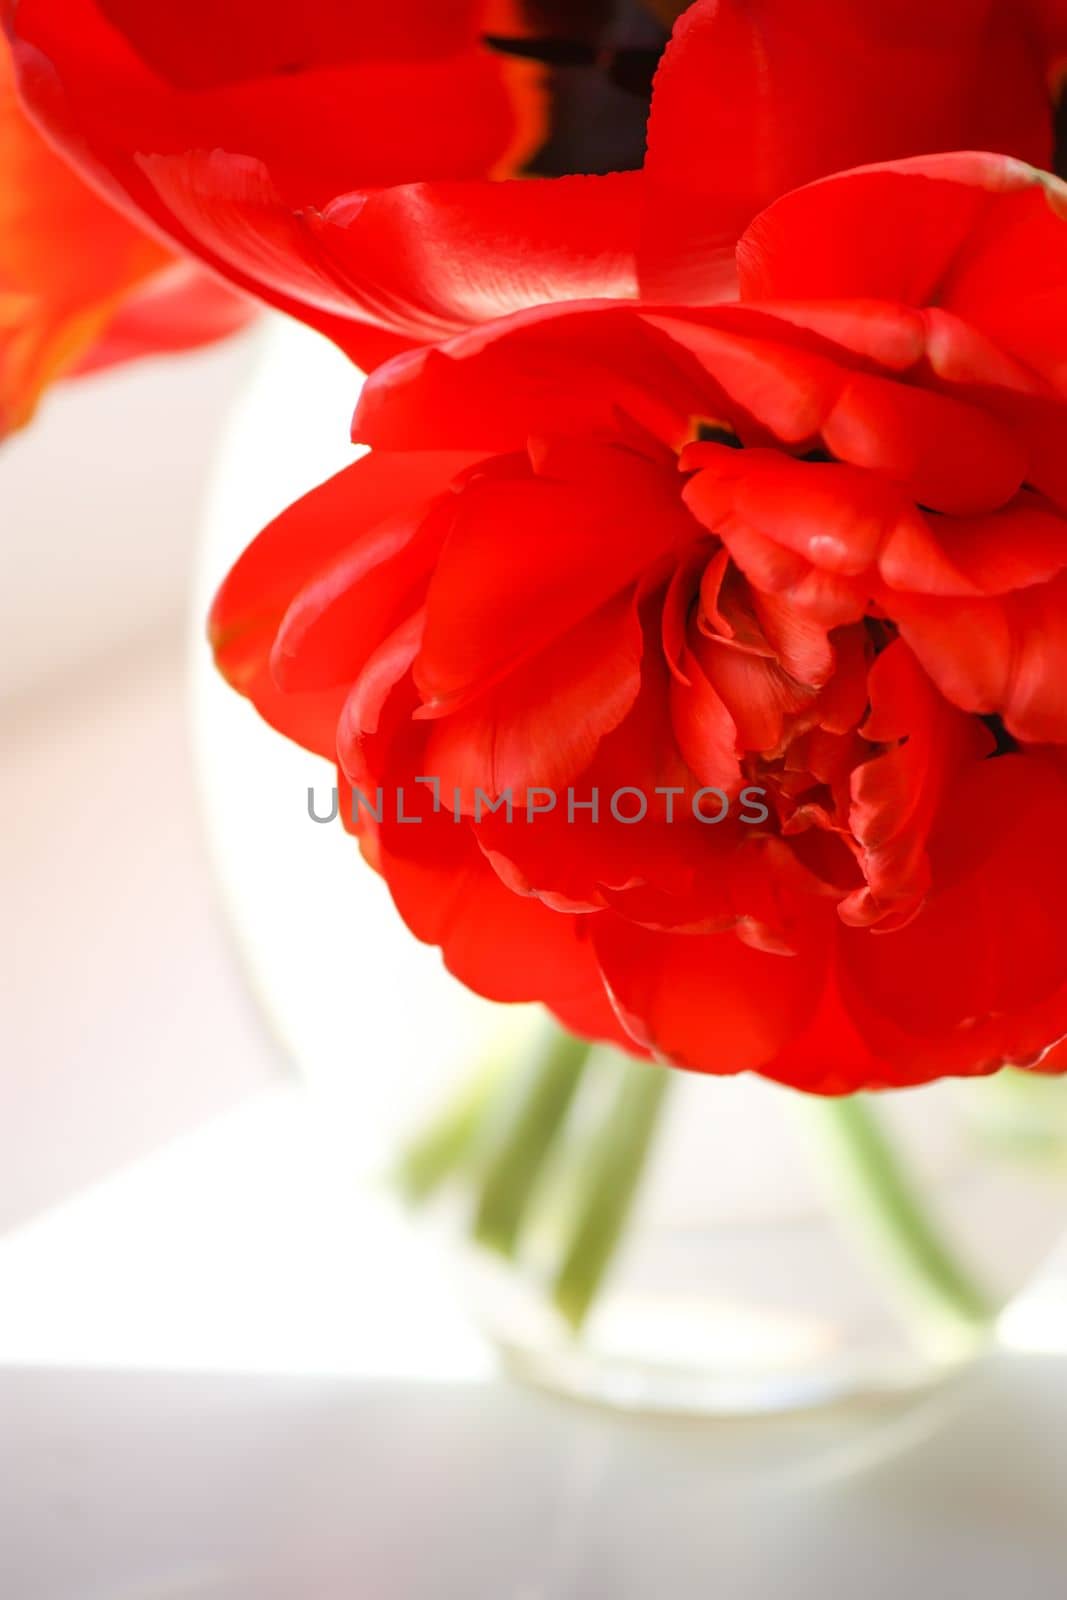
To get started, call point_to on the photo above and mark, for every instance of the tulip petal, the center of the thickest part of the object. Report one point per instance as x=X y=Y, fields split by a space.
x=896 y=796
x=754 y=98
x=540 y=726
x=572 y=369
x=530 y=556
x=1004 y=656
x=706 y=1002
x=421 y=261
x=344 y=514
x=975 y=225
x=992 y=929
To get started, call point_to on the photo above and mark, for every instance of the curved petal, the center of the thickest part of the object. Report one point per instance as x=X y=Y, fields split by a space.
x=540 y=726
x=896 y=796
x=532 y=554
x=982 y=237
x=580 y=368
x=574 y=854
x=755 y=97
x=1004 y=656
x=949 y=453
x=431 y=259
x=502 y=945
x=1022 y=544
x=422 y=261
x=708 y=1002
x=830 y=1056
x=290 y=575
x=835 y=517
x=756 y=691
x=992 y=930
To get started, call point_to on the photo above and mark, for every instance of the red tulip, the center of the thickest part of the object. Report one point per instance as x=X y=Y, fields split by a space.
x=232 y=126
x=80 y=286
x=329 y=155
x=791 y=574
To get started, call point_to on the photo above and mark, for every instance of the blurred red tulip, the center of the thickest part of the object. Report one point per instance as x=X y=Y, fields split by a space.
x=80 y=286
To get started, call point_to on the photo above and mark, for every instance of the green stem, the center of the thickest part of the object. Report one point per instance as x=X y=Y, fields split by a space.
x=446 y=1144
x=882 y=1205
x=524 y=1138
x=608 y=1183
x=1020 y=1117
x=502 y=1134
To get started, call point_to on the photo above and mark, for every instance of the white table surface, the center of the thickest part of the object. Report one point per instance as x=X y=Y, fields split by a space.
x=130 y=1486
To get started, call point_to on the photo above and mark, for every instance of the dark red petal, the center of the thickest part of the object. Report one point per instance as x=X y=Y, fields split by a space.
x=201 y=44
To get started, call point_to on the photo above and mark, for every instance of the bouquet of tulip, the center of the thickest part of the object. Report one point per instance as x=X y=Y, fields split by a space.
x=691 y=638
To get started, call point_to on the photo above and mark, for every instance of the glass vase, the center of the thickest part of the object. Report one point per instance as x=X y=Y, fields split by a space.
x=772 y=1251
x=683 y=1244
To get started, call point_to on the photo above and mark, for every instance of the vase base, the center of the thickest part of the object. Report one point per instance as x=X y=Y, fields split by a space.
x=653 y=1390
x=734 y=1357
